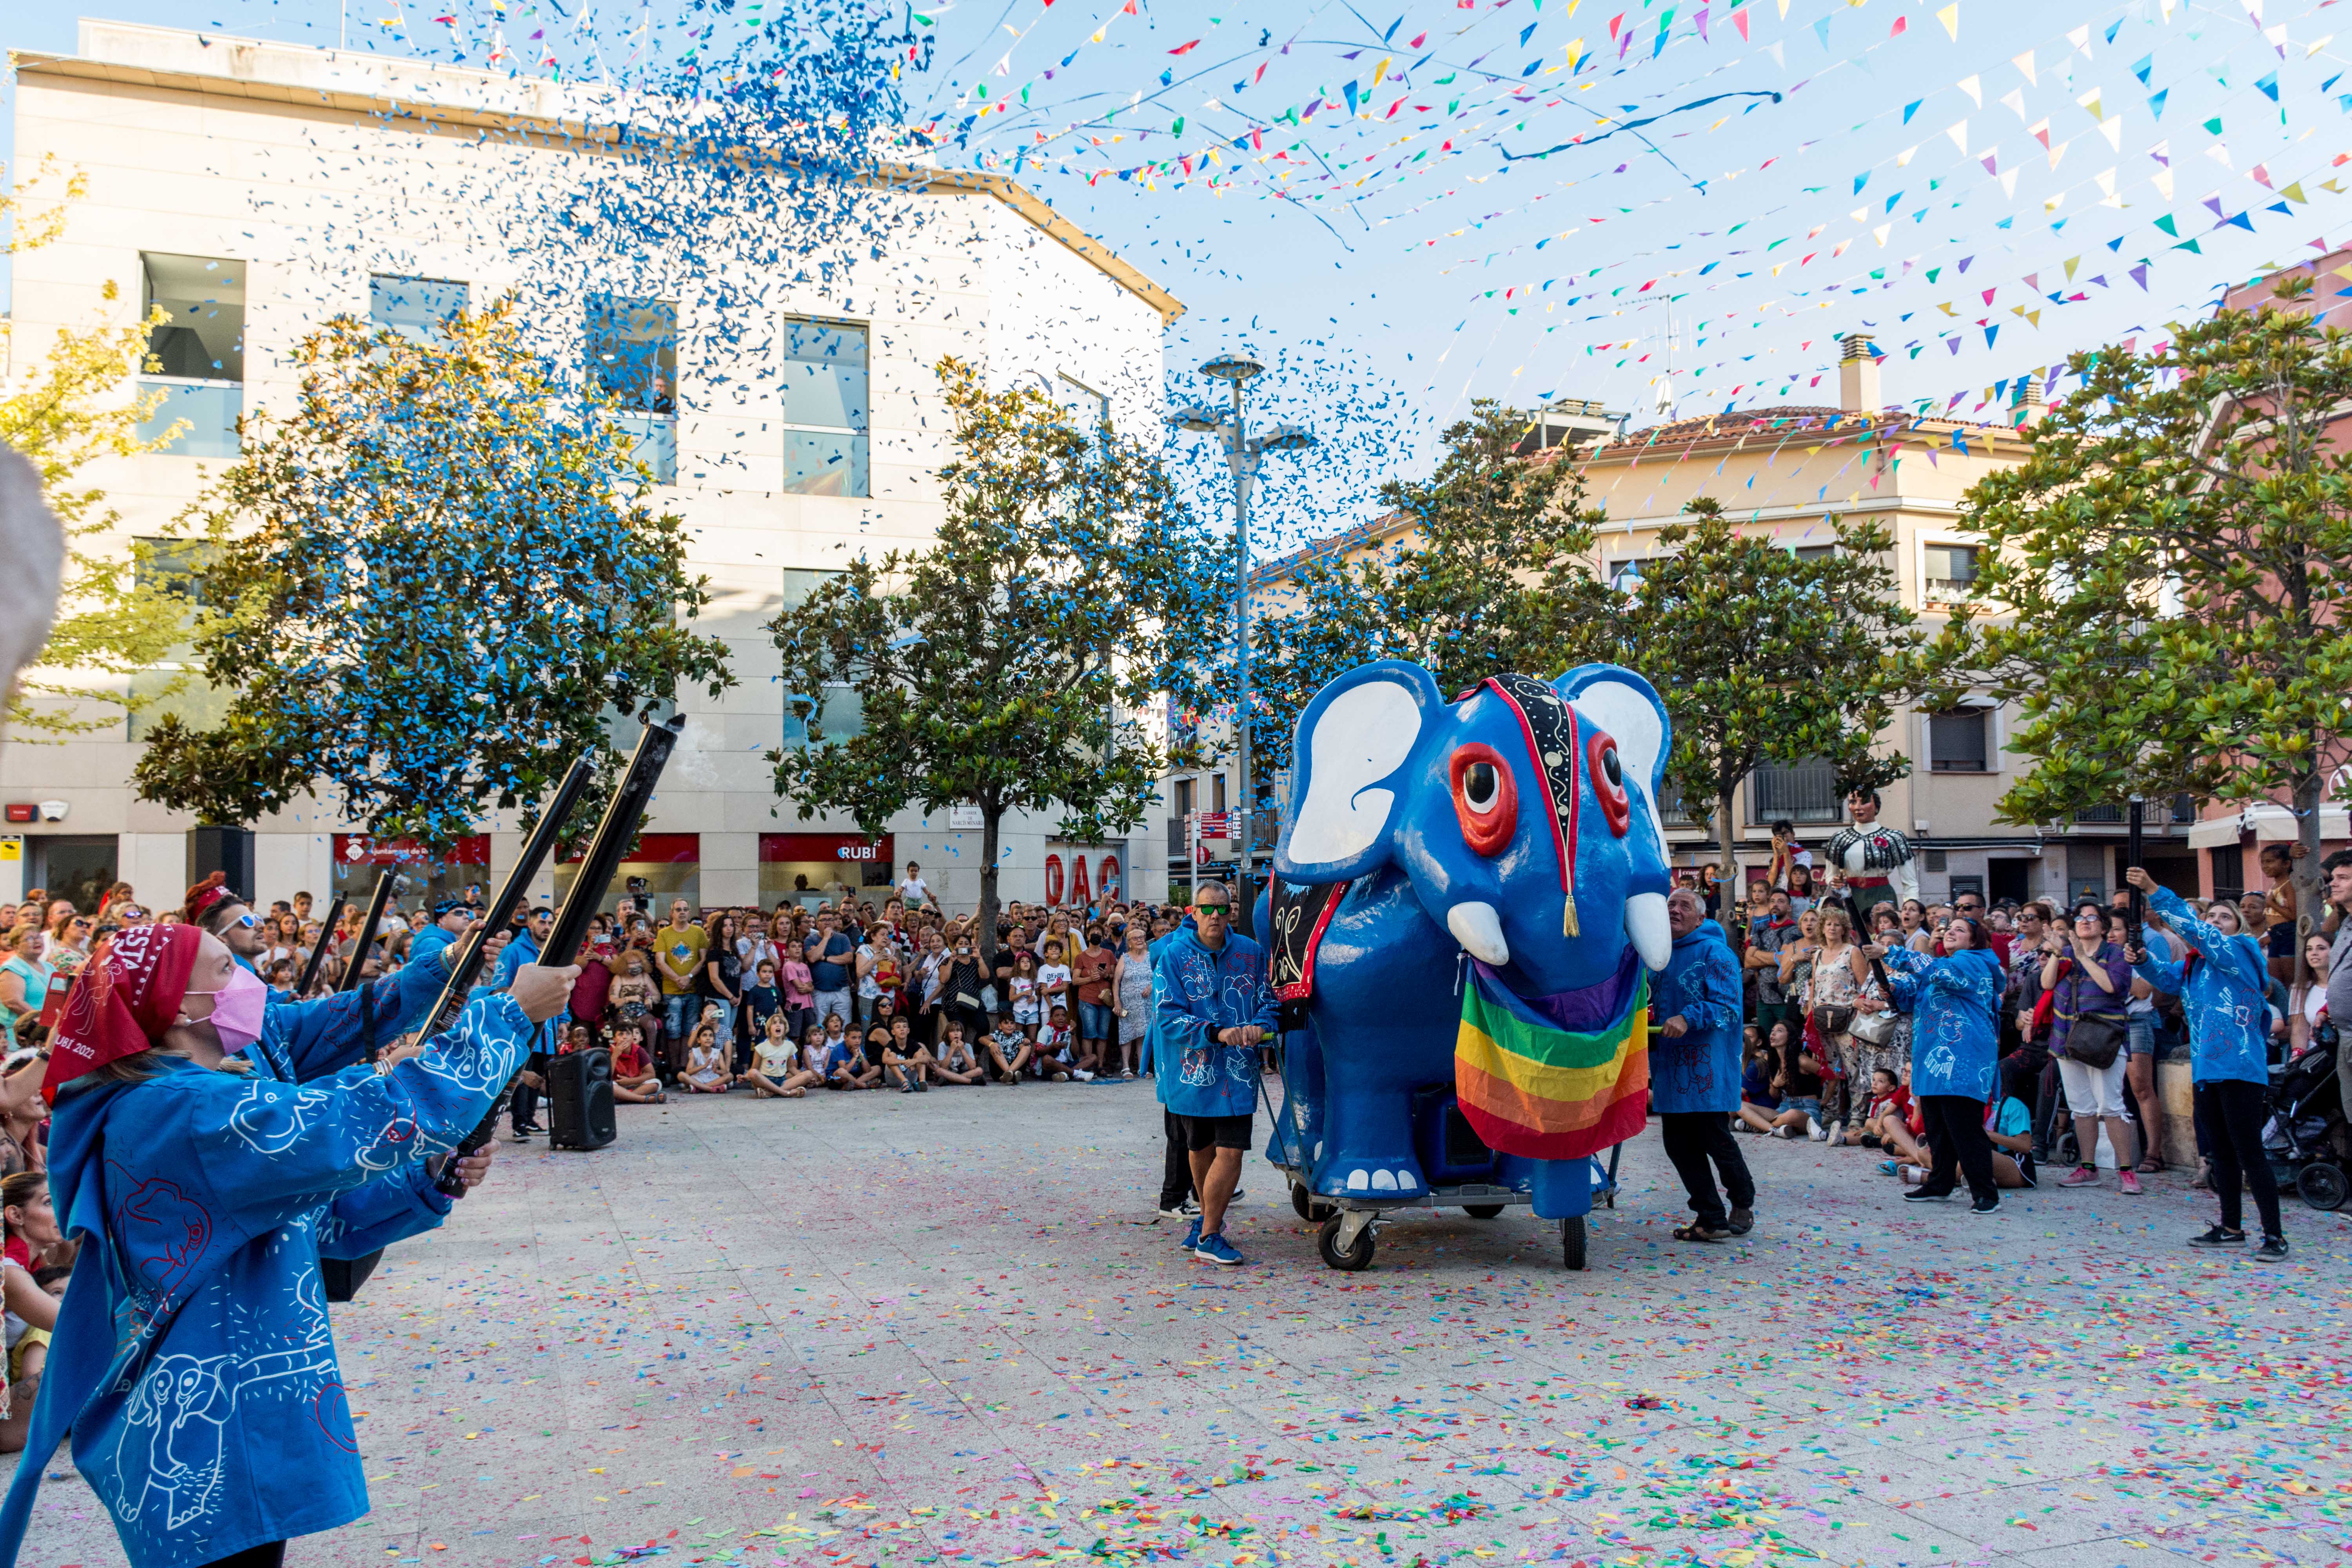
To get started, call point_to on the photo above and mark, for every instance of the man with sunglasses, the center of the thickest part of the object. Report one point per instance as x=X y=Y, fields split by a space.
x=377 y=1009
x=1214 y=1005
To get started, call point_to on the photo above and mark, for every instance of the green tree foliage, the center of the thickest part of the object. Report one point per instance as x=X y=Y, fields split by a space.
x=1019 y=661
x=435 y=583
x=1495 y=578
x=1762 y=656
x=67 y=413
x=2163 y=587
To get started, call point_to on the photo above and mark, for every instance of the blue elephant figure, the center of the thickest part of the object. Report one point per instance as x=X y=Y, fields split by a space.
x=1518 y=826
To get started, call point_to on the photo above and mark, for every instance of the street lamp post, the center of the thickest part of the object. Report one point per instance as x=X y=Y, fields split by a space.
x=1244 y=453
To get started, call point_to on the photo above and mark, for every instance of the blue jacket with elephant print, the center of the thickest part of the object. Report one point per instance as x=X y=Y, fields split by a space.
x=193 y=1363
x=1698 y=1070
x=1955 y=1007
x=1198 y=993
x=2223 y=986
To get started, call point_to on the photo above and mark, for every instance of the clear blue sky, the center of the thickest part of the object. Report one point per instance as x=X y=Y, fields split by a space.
x=1362 y=226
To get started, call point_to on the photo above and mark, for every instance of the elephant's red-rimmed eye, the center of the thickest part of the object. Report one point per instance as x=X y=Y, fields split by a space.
x=1607 y=772
x=1486 y=798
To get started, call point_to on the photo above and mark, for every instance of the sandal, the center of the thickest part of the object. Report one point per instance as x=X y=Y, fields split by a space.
x=2148 y=1167
x=1696 y=1231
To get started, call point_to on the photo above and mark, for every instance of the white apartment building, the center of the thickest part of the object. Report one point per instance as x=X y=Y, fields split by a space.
x=254 y=189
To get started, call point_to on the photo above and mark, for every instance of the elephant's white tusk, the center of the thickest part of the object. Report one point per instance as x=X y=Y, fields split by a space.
x=1647 y=928
x=1478 y=928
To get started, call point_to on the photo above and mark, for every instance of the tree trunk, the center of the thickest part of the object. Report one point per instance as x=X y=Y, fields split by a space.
x=1730 y=861
x=2310 y=798
x=991 y=817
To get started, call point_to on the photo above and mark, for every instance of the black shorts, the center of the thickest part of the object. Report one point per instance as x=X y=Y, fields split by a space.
x=1205 y=1132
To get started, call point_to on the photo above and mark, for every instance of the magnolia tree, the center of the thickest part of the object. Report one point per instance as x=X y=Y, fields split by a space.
x=435 y=583
x=2164 y=583
x=1762 y=655
x=1024 y=659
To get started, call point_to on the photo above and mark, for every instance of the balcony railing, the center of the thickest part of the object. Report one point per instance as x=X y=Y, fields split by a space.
x=1800 y=792
x=210 y=408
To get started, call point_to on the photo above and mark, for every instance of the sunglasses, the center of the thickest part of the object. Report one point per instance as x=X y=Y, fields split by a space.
x=1212 y=909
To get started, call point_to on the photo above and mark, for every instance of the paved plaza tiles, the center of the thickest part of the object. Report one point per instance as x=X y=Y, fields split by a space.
x=898 y=1330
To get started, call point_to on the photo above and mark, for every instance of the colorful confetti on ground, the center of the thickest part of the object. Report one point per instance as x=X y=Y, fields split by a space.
x=882 y=1330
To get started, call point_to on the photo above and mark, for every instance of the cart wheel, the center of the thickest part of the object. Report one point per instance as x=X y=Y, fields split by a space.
x=2321 y=1185
x=1482 y=1211
x=1358 y=1257
x=1308 y=1206
x=1571 y=1242
x=2063 y=1150
x=1609 y=1198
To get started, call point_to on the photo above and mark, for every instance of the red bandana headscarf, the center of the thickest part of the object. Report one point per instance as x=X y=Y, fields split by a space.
x=123 y=999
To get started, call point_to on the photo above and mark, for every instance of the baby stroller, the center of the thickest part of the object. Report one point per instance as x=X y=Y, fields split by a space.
x=2307 y=1138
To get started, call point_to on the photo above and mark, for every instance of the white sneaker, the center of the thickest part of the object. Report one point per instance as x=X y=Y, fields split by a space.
x=1914 y=1174
x=1816 y=1132
x=1083 y=1075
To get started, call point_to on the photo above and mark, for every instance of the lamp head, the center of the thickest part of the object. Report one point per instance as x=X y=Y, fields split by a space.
x=1285 y=438
x=1198 y=419
x=1231 y=367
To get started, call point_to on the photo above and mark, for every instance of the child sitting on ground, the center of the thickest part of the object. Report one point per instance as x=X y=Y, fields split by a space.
x=902 y=1056
x=955 y=1063
x=774 y=1071
x=705 y=1063
x=845 y=1063
x=763 y=1000
x=1889 y=1103
x=1055 y=1041
x=1758 y=1101
x=633 y=1079
x=1008 y=1051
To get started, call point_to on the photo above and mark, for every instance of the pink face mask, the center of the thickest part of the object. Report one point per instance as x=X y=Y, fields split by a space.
x=237 y=1011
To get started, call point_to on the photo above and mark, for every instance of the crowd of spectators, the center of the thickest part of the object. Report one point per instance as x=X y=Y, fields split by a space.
x=1828 y=1053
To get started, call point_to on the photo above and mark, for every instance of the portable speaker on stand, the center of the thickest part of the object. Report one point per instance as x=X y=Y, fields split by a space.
x=580 y=1092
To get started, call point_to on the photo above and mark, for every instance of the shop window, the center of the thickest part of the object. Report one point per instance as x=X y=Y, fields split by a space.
x=460 y=870
x=659 y=868
x=809 y=869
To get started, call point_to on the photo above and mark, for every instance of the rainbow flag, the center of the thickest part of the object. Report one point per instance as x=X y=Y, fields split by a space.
x=1533 y=1089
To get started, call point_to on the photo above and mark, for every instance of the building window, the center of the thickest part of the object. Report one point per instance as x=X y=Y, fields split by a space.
x=175 y=566
x=1951 y=572
x=1216 y=792
x=632 y=360
x=1958 y=742
x=1813 y=552
x=415 y=307
x=1090 y=408
x=1184 y=796
x=2228 y=871
x=1801 y=792
x=826 y=408
x=1626 y=576
x=198 y=355
x=838 y=713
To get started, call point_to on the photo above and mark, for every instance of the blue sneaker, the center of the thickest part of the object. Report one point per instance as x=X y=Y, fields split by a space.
x=1191 y=1237
x=1216 y=1249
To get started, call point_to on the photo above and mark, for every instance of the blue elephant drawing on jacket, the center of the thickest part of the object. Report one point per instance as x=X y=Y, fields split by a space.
x=1516 y=824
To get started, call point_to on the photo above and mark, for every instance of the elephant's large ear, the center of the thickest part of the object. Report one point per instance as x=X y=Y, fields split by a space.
x=1353 y=741
x=1629 y=707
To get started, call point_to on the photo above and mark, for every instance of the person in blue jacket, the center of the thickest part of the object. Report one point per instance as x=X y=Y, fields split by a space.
x=192 y=1360
x=1213 y=1005
x=2221 y=981
x=1179 y=1197
x=522 y=948
x=382 y=1010
x=1955 y=1006
x=451 y=917
x=1695 y=1070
